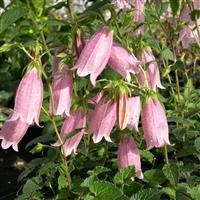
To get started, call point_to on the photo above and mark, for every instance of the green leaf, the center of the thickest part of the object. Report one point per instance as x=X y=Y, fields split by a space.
x=170 y=192
x=171 y=172
x=197 y=144
x=9 y=17
x=147 y=155
x=98 y=170
x=62 y=182
x=2 y=3
x=32 y=185
x=105 y=190
x=124 y=175
x=88 y=181
x=147 y=194
x=195 y=193
x=189 y=88
x=195 y=14
x=154 y=176
x=167 y=54
x=174 y=4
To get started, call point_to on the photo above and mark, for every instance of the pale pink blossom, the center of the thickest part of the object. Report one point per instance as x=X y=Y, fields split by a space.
x=154 y=123
x=29 y=97
x=122 y=4
x=138 y=13
x=62 y=88
x=123 y=62
x=134 y=112
x=152 y=72
x=95 y=55
x=77 y=120
x=128 y=155
x=102 y=119
x=12 y=132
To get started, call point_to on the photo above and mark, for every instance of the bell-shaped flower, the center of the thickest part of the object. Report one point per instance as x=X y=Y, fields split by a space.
x=102 y=119
x=128 y=155
x=188 y=36
x=95 y=55
x=123 y=110
x=79 y=44
x=29 y=97
x=76 y=121
x=123 y=62
x=62 y=88
x=122 y=4
x=152 y=72
x=138 y=13
x=12 y=132
x=134 y=112
x=57 y=59
x=154 y=123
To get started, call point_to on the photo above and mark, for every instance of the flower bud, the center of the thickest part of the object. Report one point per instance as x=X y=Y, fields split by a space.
x=123 y=110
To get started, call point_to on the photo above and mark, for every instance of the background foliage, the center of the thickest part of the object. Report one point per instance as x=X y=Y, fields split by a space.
x=94 y=170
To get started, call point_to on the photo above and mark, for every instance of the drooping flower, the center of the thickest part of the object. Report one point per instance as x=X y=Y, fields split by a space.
x=152 y=72
x=79 y=44
x=154 y=123
x=95 y=55
x=122 y=4
x=62 y=88
x=102 y=119
x=57 y=59
x=29 y=97
x=123 y=62
x=123 y=110
x=12 y=132
x=77 y=120
x=189 y=34
x=138 y=13
x=134 y=112
x=128 y=155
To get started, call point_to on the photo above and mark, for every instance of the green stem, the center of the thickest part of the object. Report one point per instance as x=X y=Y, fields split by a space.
x=166 y=154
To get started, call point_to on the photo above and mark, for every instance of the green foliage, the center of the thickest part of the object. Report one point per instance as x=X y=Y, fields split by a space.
x=94 y=171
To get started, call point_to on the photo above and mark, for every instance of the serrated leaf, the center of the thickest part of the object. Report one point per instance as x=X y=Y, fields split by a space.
x=98 y=170
x=9 y=17
x=124 y=175
x=154 y=176
x=105 y=190
x=195 y=193
x=174 y=4
x=170 y=192
x=171 y=172
x=147 y=155
x=147 y=194
x=62 y=182
x=88 y=181
x=167 y=54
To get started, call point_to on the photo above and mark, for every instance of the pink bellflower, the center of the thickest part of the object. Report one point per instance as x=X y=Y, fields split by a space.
x=62 y=88
x=95 y=55
x=102 y=120
x=128 y=155
x=154 y=123
x=12 y=132
x=123 y=62
x=77 y=120
x=152 y=72
x=29 y=97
